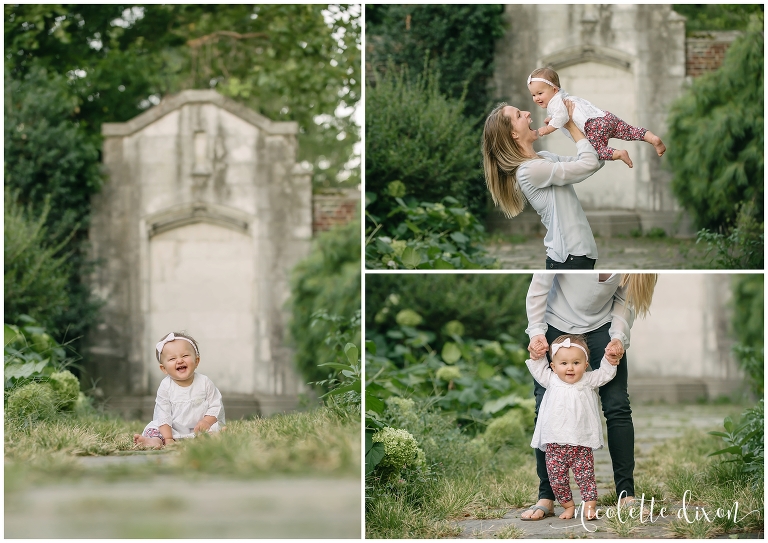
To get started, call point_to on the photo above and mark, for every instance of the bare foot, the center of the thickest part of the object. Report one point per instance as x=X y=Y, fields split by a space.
x=538 y=513
x=655 y=140
x=570 y=510
x=589 y=509
x=623 y=155
x=147 y=442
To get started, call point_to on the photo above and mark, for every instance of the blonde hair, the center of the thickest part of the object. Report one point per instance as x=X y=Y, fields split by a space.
x=640 y=290
x=578 y=339
x=501 y=158
x=548 y=74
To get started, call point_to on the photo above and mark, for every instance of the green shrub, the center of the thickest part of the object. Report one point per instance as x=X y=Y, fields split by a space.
x=400 y=449
x=35 y=264
x=327 y=280
x=31 y=403
x=742 y=247
x=67 y=389
x=716 y=137
x=484 y=305
x=31 y=354
x=429 y=236
x=746 y=442
x=421 y=139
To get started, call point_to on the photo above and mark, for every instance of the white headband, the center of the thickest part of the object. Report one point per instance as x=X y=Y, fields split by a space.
x=548 y=82
x=170 y=337
x=567 y=344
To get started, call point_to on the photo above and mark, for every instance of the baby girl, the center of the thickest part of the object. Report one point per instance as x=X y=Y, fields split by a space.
x=597 y=125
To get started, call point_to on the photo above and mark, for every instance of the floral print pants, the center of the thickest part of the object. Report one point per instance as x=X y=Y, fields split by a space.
x=561 y=457
x=600 y=129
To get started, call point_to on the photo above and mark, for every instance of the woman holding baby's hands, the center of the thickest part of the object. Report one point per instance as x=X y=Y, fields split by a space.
x=602 y=308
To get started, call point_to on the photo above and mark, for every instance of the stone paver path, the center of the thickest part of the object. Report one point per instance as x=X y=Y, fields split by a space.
x=171 y=507
x=615 y=253
x=653 y=425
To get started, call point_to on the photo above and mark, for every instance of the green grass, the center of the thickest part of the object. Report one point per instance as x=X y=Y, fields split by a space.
x=322 y=442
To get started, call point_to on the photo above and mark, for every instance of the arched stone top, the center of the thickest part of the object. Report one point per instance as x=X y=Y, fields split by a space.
x=183 y=98
x=178 y=216
x=588 y=53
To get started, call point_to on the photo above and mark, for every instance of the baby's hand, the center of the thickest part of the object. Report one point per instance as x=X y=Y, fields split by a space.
x=201 y=427
x=614 y=351
x=538 y=347
x=547 y=119
x=612 y=357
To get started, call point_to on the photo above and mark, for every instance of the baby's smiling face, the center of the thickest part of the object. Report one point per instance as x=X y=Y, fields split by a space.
x=569 y=364
x=542 y=93
x=179 y=361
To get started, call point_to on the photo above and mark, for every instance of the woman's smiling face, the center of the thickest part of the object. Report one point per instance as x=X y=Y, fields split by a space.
x=521 y=124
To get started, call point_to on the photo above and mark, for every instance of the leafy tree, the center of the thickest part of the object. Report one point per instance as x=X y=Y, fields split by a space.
x=289 y=62
x=328 y=280
x=459 y=40
x=717 y=16
x=716 y=137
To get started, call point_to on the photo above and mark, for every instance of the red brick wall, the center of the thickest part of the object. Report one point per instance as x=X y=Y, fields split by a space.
x=705 y=53
x=334 y=208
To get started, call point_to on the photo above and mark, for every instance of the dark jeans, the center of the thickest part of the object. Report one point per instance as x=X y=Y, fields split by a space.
x=572 y=263
x=618 y=416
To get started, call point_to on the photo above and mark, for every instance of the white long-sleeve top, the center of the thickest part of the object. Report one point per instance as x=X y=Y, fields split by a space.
x=183 y=407
x=568 y=414
x=547 y=184
x=576 y=303
x=582 y=112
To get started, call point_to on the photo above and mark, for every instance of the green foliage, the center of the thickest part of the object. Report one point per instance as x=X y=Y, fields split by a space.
x=283 y=60
x=419 y=138
x=31 y=403
x=716 y=137
x=67 y=389
x=475 y=380
x=743 y=247
x=36 y=268
x=345 y=383
x=748 y=325
x=459 y=40
x=400 y=450
x=745 y=442
x=328 y=280
x=716 y=16
x=31 y=354
x=430 y=236
x=482 y=305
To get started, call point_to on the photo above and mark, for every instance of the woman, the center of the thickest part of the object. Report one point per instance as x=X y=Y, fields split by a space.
x=514 y=173
x=601 y=307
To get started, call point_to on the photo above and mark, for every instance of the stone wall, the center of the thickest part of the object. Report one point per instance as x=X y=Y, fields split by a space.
x=203 y=216
x=627 y=59
x=682 y=351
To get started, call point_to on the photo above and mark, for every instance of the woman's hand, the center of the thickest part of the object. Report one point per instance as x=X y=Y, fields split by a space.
x=538 y=347
x=614 y=351
x=573 y=130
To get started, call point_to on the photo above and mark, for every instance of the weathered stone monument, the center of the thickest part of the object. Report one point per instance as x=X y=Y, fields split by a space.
x=627 y=59
x=204 y=214
x=683 y=350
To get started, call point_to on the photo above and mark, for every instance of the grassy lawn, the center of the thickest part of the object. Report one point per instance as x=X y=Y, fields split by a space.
x=468 y=480
x=320 y=442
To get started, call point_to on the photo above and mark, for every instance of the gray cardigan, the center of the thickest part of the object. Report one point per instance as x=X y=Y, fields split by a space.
x=577 y=303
